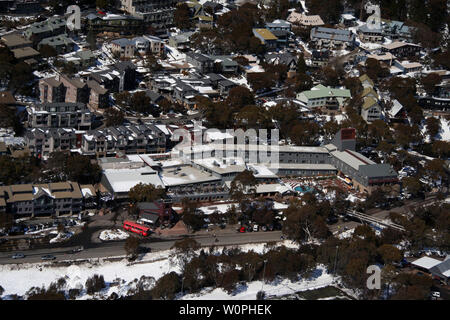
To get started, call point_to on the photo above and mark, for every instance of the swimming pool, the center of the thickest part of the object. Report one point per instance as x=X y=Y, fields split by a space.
x=304 y=189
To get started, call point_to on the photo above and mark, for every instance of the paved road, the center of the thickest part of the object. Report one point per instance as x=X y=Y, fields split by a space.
x=231 y=237
x=112 y=249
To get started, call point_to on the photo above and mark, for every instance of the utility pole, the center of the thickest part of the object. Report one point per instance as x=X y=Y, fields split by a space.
x=335 y=260
x=264 y=274
x=182 y=285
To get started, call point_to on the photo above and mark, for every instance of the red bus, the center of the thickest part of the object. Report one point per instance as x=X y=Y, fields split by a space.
x=136 y=227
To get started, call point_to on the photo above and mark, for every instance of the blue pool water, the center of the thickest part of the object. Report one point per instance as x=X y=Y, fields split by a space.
x=304 y=189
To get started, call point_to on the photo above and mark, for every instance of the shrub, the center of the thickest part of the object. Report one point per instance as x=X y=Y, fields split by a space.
x=95 y=284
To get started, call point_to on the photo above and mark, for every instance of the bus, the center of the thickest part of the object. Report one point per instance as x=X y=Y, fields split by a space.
x=136 y=228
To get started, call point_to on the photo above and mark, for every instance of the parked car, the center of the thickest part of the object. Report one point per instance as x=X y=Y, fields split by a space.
x=255 y=228
x=48 y=257
x=435 y=294
x=18 y=256
x=241 y=229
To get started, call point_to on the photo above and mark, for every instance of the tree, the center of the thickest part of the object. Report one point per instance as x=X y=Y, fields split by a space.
x=95 y=284
x=152 y=63
x=113 y=117
x=182 y=17
x=302 y=224
x=433 y=127
x=193 y=221
x=91 y=38
x=101 y=4
x=184 y=252
x=389 y=254
x=47 y=51
x=375 y=70
x=80 y=169
x=243 y=185
x=10 y=119
x=436 y=169
x=146 y=193
x=190 y=217
x=167 y=286
x=441 y=148
x=411 y=287
x=122 y=99
x=412 y=185
x=330 y=76
x=430 y=81
x=140 y=102
x=305 y=133
x=260 y=80
x=132 y=246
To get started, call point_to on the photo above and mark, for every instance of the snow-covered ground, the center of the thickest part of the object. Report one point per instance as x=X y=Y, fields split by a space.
x=115 y=234
x=18 y=279
x=320 y=278
x=61 y=236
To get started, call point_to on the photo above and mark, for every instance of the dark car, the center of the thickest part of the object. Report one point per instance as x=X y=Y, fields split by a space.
x=48 y=257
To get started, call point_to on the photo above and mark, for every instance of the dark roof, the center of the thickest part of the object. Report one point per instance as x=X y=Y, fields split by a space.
x=150 y=216
x=154 y=96
x=148 y=206
x=123 y=65
x=442 y=267
x=377 y=170
x=322 y=54
x=280 y=33
x=227 y=83
x=6 y=97
x=198 y=56
x=215 y=76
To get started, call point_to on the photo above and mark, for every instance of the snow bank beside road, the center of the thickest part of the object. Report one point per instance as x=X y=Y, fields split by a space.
x=112 y=235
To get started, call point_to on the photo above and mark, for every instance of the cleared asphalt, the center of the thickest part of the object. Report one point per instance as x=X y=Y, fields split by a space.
x=112 y=249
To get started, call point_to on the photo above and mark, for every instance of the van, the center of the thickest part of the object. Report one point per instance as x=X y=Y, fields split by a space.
x=255 y=228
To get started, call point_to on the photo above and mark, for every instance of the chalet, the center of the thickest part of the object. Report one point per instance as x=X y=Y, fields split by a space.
x=15 y=41
x=61 y=43
x=266 y=37
x=155 y=212
x=366 y=81
x=397 y=113
x=370 y=34
x=401 y=49
x=347 y=20
x=332 y=38
x=201 y=62
x=123 y=47
x=319 y=96
x=278 y=24
x=319 y=58
x=370 y=109
x=51 y=27
x=304 y=20
x=397 y=30
x=406 y=66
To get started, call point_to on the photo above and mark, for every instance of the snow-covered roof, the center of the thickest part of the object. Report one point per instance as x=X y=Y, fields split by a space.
x=426 y=262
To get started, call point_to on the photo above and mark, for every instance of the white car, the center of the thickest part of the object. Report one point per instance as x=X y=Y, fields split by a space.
x=18 y=256
x=435 y=294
